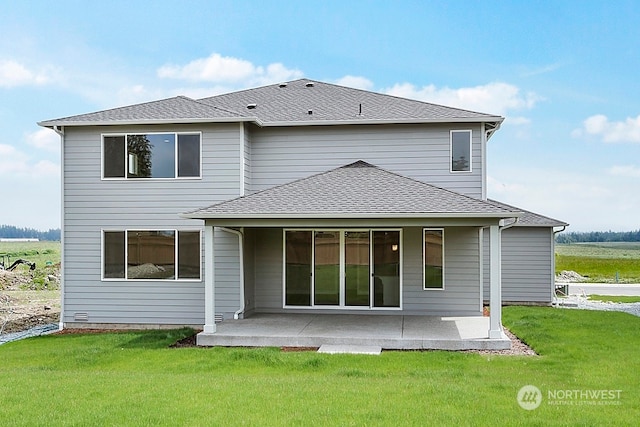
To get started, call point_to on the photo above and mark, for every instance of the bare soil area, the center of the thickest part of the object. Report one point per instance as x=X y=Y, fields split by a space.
x=23 y=307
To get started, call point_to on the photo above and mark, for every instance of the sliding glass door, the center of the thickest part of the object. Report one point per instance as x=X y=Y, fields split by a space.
x=327 y=268
x=356 y=264
x=342 y=268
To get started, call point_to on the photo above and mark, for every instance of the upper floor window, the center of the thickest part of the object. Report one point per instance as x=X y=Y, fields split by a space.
x=151 y=155
x=460 y=151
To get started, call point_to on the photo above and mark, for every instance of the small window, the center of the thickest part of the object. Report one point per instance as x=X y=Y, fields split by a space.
x=151 y=255
x=433 y=258
x=460 y=151
x=152 y=155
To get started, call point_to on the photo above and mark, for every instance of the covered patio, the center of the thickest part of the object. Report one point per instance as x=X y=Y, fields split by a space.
x=391 y=332
x=362 y=200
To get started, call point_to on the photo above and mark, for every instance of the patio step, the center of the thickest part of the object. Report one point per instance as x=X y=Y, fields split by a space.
x=350 y=349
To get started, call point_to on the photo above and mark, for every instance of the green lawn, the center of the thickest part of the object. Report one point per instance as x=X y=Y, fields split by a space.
x=601 y=261
x=615 y=298
x=135 y=379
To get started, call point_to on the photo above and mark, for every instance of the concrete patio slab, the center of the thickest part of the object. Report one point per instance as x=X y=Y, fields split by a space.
x=350 y=349
x=392 y=332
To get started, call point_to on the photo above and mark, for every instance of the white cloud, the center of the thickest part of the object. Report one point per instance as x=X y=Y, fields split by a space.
x=45 y=139
x=588 y=201
x=357 y=82
x=15 y=163
x=494 y=98
x=626 y=171
x=13 y=73
x=599 y=125
x=228 y=70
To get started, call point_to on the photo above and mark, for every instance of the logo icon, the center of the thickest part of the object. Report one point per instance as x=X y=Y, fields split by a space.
x=529 y=397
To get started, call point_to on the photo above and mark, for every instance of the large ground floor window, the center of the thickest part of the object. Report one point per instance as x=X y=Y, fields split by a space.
x=342 y=268
x=151 y=255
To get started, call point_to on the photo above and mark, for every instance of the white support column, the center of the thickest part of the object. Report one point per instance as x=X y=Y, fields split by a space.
x=495 y=292
x=209 y=281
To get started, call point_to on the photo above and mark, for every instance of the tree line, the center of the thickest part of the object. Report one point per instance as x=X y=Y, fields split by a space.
x=12 y=232
x=598 y=236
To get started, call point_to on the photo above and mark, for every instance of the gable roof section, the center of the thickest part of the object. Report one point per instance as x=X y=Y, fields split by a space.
x=357 y=190
x=531 y=219
x=306 y=102
x=179 y=109
x=298 y=103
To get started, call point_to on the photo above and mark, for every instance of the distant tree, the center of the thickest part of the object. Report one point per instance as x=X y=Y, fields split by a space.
x=12 y=232
x=598 y=236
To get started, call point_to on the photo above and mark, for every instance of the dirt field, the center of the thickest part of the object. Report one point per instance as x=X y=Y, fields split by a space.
x=21 y=306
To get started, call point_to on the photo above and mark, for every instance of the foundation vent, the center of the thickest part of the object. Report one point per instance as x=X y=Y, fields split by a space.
x=218 y=318
x=81 y=317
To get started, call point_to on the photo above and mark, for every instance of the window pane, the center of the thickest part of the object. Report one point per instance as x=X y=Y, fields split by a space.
x=151 y=254
x=113 y=157
x=188 y=155
x=298 y=268
x=327 y=268
x=151 y=156
x=357 y=278
x=113 y=254
x=189 y=255
x=461 y=151
x=386 y=269
x=433 y=259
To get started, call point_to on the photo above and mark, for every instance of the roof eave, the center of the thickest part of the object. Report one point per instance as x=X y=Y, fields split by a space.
x=493 y=119
x=52 y=123
x=430 y=215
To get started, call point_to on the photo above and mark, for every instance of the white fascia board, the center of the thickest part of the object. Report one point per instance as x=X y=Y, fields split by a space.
x=443 y=215
x=496 y=119
x=52 y=123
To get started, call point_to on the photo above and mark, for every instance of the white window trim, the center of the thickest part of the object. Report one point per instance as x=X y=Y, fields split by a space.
x=312 y=284
x=175 y=169
x=424 y=268
x=126 y=255
x=451 y=132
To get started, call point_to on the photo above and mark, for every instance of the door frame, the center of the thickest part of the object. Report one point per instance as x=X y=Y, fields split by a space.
x=342 y=283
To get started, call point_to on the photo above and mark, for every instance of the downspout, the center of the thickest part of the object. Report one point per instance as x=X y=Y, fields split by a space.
x=60 y=131
x=240 y=235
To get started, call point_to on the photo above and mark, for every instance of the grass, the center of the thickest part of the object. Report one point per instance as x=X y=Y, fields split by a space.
x=133 y=378
x=600 y=262
x=615 y=298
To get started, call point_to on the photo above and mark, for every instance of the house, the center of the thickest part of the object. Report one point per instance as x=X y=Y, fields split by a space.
x=295 y=198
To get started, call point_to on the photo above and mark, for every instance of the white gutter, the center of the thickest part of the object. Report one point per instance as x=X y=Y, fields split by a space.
x=60 y=131
x=261 y=123
x=504 y=227
x=337 y=215
x=240 y=235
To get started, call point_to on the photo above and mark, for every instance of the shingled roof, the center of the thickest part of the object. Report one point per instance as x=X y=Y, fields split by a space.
x=357 y=190
x=179 y=109
x=299 y=102
x=531 y=219
x=306 y=101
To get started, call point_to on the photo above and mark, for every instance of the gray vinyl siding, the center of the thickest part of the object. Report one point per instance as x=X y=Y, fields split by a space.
x=527 y=265
x=247 y=158
x=422 y=152
x=461 y=295
x=92 y=205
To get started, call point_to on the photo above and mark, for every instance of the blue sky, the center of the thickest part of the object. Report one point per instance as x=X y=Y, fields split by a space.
x=564 y=74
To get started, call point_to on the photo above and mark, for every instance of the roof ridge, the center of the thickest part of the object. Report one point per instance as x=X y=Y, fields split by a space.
x=206 y=104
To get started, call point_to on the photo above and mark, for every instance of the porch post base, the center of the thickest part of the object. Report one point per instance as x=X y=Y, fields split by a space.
x=209 y=329
x=495 y=334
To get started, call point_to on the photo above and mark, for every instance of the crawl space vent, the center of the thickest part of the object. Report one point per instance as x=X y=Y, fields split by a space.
x=81 y=317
